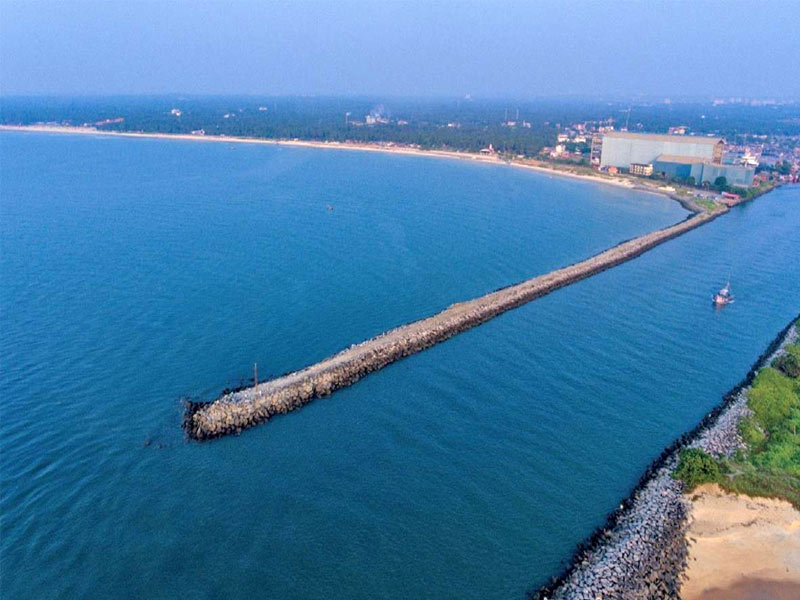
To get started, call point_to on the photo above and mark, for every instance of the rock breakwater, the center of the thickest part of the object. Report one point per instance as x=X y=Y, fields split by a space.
x=641 y=551
x=238 y=410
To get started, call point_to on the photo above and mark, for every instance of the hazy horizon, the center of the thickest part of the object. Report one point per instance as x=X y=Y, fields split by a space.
x=565 y=98
x=400 y=49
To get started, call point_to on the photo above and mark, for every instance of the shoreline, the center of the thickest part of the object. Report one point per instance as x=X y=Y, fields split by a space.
x=619 y=182
x=642 y=549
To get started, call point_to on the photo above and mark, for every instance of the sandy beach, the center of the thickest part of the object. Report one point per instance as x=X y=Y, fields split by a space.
x=386 y=148
x=742 y=548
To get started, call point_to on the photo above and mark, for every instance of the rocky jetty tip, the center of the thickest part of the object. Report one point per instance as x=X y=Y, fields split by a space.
x=233 y=412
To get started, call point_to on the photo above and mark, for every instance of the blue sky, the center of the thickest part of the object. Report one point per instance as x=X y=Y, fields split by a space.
x=401 y=48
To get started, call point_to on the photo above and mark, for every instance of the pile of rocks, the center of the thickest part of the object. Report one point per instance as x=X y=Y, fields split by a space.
x=642 y=556
x=235 y=411
x=723 y=439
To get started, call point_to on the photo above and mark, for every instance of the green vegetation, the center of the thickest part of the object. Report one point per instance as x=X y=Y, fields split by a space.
x=784 y=167
x=705 y=203
x=721 y=183
x=749 y=192
x=770 y=464
x=755 y=482
x=696 y=467
x=773 y=398
x=513 y=127
x=789 y=363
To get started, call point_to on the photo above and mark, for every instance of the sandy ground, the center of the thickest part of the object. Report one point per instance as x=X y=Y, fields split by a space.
x=742 y=548
x=392 y=149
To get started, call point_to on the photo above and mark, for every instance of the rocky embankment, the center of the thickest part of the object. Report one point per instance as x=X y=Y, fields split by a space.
x=641 y=551
x=235 y=411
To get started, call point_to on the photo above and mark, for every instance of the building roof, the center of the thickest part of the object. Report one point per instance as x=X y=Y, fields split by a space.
x=657 y=137
x=686 y=160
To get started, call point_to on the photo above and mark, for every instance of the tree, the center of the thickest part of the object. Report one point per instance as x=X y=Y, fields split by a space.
x=789 y=364
x=691 y=181
x=721 y=183
x=696 y=467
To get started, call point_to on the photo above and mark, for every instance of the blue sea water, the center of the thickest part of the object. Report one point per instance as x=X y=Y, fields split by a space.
x=134 y=272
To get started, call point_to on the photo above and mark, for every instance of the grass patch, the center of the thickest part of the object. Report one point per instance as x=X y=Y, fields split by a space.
x=753 y=481
x=773 y=398
x=705 y=203
x=770 y=464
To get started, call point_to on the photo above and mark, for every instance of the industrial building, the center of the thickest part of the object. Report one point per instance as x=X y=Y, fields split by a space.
x=682 y=167
x=672 y=156
x=621 y=149
x=679 y=167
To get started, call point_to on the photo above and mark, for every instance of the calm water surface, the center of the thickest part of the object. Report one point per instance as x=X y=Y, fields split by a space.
x=134 y=272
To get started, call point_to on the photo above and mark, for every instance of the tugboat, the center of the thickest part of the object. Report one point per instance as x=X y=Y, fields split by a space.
x=723 y=297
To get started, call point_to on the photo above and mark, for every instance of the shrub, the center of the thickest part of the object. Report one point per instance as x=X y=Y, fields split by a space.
x=771 y=398
x=789 y=362
x=751 y=433
x=696 y=467
x=770 y=465
x=782 y=454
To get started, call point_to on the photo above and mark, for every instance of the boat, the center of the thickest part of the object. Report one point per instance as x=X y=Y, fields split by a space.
x=723 y=297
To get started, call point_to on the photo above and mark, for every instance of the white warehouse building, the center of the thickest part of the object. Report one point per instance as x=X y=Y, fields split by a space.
x=623 y=149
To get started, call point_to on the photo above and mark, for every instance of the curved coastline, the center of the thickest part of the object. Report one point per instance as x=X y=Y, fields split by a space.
x=640 y=551
x=544 y=168
x=356 y=147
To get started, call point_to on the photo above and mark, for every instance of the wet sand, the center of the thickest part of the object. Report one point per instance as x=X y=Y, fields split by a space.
x=742 y=547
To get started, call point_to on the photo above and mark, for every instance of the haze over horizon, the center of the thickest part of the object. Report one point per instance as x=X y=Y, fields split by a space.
x=503 y=49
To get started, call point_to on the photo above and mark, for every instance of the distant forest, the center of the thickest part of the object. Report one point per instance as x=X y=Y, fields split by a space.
x=460 y=124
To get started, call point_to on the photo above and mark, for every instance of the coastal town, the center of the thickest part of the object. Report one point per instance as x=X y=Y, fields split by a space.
x=708 y=159
x=720 y=171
